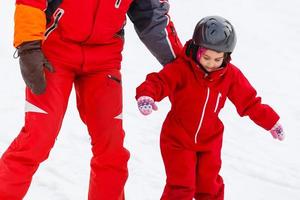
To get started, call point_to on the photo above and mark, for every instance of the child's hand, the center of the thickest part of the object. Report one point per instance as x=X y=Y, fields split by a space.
x=277 y=131
x=146 y=105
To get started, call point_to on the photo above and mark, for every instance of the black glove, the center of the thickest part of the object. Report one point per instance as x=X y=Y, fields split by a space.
x=32 y=62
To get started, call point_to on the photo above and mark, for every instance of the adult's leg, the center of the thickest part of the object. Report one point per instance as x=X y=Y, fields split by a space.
x=43 y=118
x=99 y=101
x=209 y=184
x=180 y=166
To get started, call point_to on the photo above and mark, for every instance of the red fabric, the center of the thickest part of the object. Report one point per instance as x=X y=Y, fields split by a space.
x=91 y=57
x=99 y=99
x=172 y=36
x=40 y=4
x=192 y=132
x=191 y=174
x=92 y=22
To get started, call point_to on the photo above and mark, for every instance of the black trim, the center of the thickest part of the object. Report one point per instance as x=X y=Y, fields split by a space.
x=54 y=25
x=51 y=8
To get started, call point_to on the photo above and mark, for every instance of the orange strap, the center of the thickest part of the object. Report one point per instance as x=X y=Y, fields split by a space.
x=30 y=24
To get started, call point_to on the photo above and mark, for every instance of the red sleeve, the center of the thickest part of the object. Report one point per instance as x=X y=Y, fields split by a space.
x=247 y=103
x=161 y=84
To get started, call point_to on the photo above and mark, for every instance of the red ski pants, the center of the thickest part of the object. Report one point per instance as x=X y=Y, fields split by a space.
x=191 y=174
x=99 y=100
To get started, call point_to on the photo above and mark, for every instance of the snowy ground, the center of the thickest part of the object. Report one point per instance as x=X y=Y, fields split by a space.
x=255 y=167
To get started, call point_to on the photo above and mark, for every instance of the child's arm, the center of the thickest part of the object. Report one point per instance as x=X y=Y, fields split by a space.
x=247 y=103
x=156 y=87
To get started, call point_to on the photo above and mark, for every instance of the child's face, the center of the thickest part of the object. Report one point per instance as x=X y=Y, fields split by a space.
x=211 y=60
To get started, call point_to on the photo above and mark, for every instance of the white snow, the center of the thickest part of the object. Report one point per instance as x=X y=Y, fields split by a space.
x=255 y=167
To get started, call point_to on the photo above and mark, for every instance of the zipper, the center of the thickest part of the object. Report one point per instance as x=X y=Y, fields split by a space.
x=218 y=101
x=114 y=78
x=117 y=4
x=57 y=16
x=202 y=115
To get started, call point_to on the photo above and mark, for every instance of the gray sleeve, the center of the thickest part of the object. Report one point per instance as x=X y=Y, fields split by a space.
x=152 y=23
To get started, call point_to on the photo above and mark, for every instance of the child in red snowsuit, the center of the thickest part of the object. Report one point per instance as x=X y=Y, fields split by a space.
x=198 y=84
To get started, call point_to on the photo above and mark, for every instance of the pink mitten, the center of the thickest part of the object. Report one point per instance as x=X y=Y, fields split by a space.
x=146 y=105
x=277 y=132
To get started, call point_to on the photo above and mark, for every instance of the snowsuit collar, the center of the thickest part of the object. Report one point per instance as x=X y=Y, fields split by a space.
x=197 y=70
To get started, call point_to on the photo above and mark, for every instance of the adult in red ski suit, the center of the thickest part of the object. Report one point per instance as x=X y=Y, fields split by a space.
x=191 y=136
x=80 y=43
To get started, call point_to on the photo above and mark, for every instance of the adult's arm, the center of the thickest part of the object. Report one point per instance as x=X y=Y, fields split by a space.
x=155 y=28
x=30 y=21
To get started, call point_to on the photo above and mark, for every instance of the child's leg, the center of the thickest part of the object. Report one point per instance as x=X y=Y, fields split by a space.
x=209 y=184
x=180 y=166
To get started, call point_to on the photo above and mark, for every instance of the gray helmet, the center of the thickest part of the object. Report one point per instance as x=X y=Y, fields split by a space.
x=215 y=33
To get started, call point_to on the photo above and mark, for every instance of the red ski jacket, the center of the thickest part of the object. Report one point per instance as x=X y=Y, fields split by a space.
x=197 y=98
x=98 y=23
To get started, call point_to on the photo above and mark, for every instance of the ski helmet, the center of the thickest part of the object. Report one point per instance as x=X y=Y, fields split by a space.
x=215 y=33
